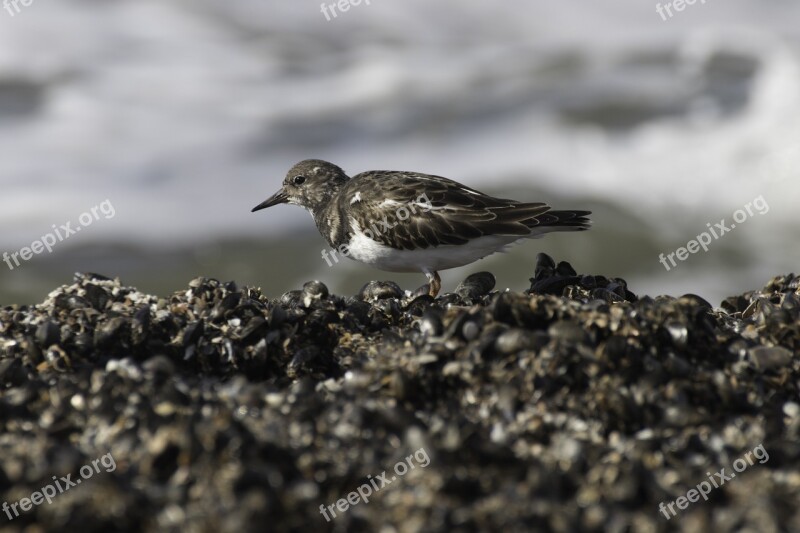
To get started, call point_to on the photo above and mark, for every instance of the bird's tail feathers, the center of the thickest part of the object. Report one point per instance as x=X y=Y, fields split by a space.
x=559 y=221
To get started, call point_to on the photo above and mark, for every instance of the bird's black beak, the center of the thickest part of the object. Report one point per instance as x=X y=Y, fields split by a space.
x=277 y=198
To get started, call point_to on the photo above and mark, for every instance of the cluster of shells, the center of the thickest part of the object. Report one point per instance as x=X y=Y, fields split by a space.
x=575 y=405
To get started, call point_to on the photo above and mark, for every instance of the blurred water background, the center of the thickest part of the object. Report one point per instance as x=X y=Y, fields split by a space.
x=185 y=114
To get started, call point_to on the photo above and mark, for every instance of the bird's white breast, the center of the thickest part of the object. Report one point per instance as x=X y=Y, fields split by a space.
x=363 y=249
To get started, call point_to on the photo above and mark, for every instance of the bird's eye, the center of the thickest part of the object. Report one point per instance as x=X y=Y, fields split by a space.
x=298 y=180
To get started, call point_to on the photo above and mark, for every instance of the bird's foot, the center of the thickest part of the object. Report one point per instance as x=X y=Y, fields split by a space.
x=435 y=283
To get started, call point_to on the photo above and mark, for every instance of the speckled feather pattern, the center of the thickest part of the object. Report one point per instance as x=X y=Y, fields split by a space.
x=408 y=221
x=454 y=214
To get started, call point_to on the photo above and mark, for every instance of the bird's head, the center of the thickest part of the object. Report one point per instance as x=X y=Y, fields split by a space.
x=309 y=184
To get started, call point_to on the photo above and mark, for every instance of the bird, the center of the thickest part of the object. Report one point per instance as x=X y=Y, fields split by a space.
x=413 y=222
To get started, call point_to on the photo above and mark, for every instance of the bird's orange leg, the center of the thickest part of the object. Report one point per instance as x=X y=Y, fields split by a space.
x=434 y=283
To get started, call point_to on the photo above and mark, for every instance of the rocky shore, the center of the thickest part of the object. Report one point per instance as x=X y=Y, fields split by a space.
x=573 y=406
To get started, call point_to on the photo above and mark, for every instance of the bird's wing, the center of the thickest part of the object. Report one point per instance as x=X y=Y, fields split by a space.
x=411 y=211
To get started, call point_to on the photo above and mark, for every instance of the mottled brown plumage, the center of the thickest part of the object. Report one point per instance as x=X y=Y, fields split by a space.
x=403 y=221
